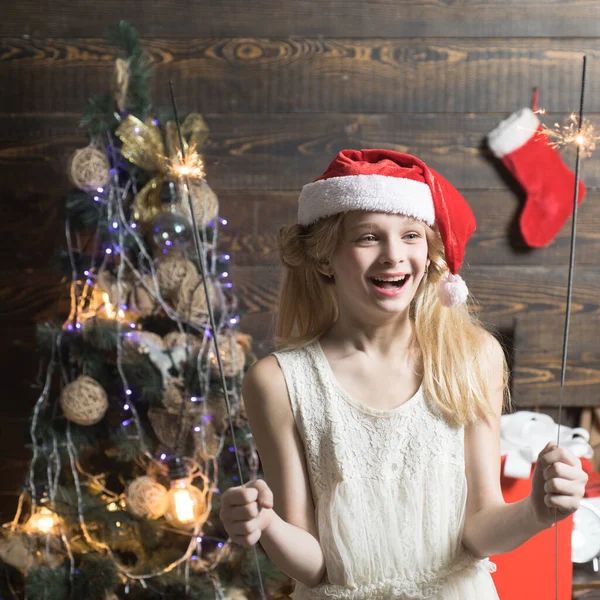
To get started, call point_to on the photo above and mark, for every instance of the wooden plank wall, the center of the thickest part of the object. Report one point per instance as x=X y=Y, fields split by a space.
x=283 y=86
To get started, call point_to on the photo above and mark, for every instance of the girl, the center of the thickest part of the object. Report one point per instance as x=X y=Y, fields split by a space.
x=382 y=405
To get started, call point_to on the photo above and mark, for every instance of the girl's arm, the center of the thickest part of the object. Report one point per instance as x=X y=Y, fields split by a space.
x=291 y=539
x=491 y=525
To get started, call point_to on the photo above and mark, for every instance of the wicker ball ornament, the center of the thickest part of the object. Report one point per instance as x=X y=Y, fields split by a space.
x=173 y=396
x=16 y=551
x=191 y=298
x=217 y=409
x=205 y=203
x=233 y=356
x=207 y=442
x=84 y=401
x=170 y=274
x=142 y=300
x=89 y=169
x=146 y=498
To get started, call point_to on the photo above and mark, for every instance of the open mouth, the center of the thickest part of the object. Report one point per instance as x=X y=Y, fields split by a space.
x=390 y=284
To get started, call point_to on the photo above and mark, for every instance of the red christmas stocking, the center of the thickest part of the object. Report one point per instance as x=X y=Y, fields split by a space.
x=526 y=152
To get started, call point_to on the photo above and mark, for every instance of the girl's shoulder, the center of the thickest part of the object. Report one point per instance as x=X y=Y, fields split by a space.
x=264 y=388
x=270 y=374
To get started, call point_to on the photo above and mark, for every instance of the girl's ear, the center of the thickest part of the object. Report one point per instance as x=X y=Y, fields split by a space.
x=326 y=270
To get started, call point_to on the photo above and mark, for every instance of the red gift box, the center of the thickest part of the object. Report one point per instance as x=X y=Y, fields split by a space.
x=529 y=571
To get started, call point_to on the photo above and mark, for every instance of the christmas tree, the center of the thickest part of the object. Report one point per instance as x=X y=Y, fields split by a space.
x=140 y=424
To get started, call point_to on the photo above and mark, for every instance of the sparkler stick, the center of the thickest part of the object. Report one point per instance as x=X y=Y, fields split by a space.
x=579 y=139
x=203 y=270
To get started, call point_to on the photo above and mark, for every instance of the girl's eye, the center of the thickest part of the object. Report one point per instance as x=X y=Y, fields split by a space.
x=366 y=238
x=412 y=236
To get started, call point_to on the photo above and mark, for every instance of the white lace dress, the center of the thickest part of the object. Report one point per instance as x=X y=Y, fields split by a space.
x=389 y=488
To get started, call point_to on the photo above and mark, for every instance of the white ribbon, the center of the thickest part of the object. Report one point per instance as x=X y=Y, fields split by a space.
x=524 y=434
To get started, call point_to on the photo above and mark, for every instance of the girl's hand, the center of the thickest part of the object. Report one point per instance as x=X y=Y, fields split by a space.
x=558 y=482
x=246 y=511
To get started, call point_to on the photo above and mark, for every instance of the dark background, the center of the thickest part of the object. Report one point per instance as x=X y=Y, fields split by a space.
x=284 y=85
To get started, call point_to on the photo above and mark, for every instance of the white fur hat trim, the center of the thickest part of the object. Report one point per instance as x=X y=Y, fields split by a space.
x=376 y=193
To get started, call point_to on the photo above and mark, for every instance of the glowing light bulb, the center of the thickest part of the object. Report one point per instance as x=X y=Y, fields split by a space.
x=112 y=507
x=185 y=504
x=108 y=307
x=44 y=521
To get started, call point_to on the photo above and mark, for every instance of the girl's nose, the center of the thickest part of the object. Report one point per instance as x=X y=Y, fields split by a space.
x=392 y=253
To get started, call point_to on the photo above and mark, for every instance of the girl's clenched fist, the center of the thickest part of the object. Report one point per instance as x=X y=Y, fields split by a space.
x=558 y=483
x=246 y=511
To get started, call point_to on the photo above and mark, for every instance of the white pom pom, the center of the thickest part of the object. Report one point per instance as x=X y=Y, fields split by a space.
x=452 y=290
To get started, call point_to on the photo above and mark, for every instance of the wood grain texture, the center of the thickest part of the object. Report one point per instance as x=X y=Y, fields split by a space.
x=32 y=229
x=503 y=293
x=538 y=359
x=333 y=18
x=272 y=75
x=283 y=152
x=254 y=218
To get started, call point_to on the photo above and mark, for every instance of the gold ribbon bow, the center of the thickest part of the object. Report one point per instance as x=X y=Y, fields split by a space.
x=143 y=145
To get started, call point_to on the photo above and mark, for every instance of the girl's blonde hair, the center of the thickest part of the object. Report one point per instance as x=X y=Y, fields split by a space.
x=449 y=339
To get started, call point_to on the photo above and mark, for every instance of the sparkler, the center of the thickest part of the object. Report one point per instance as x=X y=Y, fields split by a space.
x=188 y=165
x=584 y=137
x=585 y=141
x=203 y=268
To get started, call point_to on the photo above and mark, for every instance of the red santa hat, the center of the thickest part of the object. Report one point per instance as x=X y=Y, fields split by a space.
x=391 y=182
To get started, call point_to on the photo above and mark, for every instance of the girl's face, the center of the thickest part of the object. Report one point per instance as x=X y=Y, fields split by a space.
x=380 y=262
